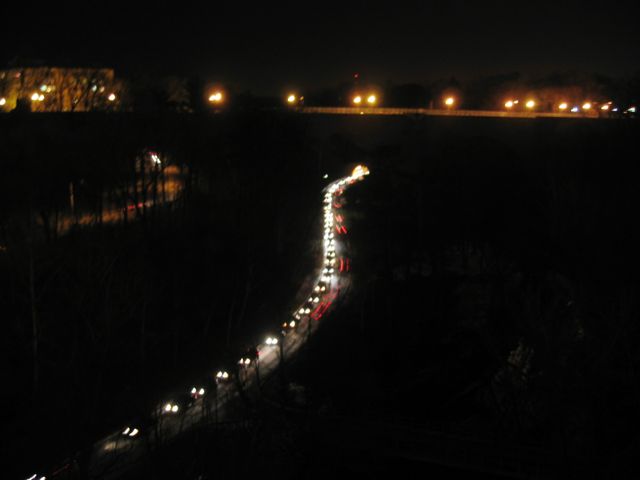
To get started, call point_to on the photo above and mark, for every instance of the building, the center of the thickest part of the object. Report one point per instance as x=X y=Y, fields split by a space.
x=60 y=89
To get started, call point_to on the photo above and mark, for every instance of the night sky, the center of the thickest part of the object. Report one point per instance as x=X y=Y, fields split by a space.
x=271 y=46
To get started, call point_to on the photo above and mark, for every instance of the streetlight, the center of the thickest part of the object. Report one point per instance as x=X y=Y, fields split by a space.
x=3 y=101
x=509 y=104
x=371 y=99
x=35 y=97
x=357 y=100
x=291 y=99
x=112 y=97
x=449 y=101
x=586 y=106
x=215 y=97
x=605 y=107
x=563 y=106
x=530 y=104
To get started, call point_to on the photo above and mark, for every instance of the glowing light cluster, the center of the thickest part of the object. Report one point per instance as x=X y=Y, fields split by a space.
x=130 y=432
x=371 y=99
x=215 y=97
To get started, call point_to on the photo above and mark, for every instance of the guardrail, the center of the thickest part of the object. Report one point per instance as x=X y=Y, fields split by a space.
x=442 y=112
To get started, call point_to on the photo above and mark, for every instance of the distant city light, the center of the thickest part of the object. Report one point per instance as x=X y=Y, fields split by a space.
x=35 y=97
x=509 y=104
x=371 y=99
x=563 y=106
x=40 y=98
x=449 y=101
x=586 y=106
x=43 y=88
x=3 y=101
x=112 y=97
x=357 y=99
x=604 y=107
x=530 y=104
x=575 y=109
x=291 y=98
x=215 y=97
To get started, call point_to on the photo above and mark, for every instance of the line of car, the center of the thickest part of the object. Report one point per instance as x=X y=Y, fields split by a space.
x=323 y=294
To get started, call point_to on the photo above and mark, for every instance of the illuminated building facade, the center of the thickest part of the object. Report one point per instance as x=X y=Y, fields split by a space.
x=59 y=89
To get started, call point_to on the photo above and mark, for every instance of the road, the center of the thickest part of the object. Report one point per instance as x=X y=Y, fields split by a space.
x=118 y=452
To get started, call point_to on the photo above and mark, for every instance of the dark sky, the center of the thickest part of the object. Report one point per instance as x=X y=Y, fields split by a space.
x=268 y=46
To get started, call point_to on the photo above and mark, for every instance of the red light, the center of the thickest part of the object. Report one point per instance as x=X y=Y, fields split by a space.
x=341 y=264
x=344 y=229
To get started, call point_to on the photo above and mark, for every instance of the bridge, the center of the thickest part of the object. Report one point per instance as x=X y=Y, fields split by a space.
x=444 y=112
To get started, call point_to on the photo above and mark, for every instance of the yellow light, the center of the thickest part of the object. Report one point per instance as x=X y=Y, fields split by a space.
x=604 y=107
x=563 y=106
x=508 y=104
x=371 y=99
x=40 y=98
x=359 y=171
x=291 y=98
x=530 y=104
x=112 y=97
x=35 y=97
x=3 y=101
x=357 y=99
x=586 y=106
x=215 y=97
x=449 y=101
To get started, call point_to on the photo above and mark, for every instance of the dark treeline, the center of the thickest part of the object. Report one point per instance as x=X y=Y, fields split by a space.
x=495 y=291
x=113 y=296
x=487 y=92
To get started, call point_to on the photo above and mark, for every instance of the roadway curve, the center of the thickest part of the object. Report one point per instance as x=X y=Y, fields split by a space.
x=119 y=451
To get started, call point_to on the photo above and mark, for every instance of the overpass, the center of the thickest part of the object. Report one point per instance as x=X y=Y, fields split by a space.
x=442 y=112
